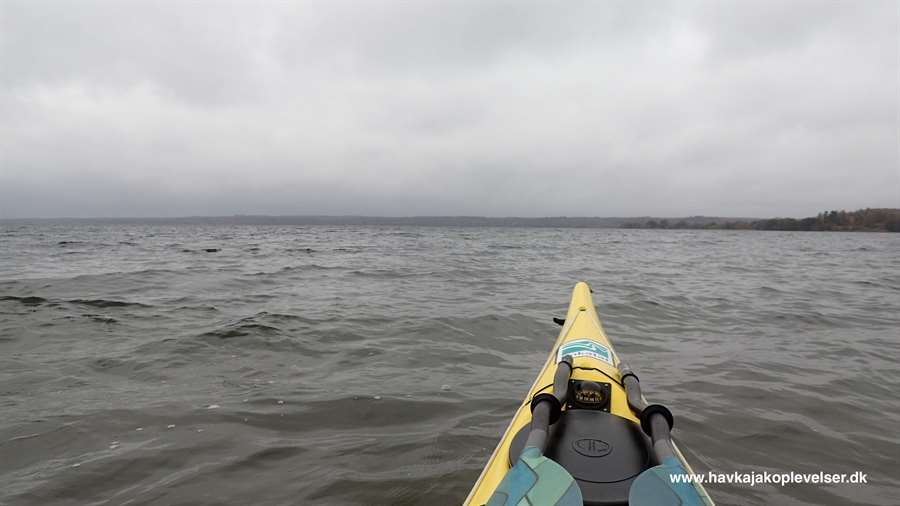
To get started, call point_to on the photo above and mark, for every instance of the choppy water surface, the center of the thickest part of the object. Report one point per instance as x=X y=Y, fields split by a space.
x=378 y=365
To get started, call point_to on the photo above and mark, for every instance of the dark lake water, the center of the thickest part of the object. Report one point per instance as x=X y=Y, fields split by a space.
x=379 y=365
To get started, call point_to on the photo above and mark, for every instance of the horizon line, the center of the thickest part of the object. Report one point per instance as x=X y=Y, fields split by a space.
x=382 y=216
x=404 y=217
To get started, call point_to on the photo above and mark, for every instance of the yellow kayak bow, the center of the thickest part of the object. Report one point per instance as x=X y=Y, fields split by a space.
x=599 y=429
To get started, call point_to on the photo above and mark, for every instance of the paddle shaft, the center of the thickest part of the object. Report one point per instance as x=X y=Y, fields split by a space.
x=543 y=407
x=656 y=420
x=661 y=435
x=540 y=427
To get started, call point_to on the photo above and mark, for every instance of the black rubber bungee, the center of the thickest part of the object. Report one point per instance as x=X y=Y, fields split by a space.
x=654 y=409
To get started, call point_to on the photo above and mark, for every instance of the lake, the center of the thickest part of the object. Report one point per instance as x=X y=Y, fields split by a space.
x=267 y=365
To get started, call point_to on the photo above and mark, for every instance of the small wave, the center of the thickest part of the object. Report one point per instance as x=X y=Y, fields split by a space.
x=107 y=363
x=106 y=303
x=131 y=368
x=250 y=334
x=264 y=457
x=28 y=301
x=814 y=318
x=735 y=268
x=201 y=250
x=203 y=308
x=241 y=330
x=100 y=318
x=384 y=273
x=115 y=276
x=295 y=268
x=284 y=317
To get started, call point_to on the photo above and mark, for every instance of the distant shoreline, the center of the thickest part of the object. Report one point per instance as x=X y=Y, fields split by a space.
x=861 y=220
x=870 y=220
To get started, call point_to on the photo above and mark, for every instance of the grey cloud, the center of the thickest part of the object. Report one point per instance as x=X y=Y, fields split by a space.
x=497 y=108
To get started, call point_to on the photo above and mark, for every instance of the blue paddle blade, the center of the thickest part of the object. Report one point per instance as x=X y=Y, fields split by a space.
x=536 y=480
x=655 y=487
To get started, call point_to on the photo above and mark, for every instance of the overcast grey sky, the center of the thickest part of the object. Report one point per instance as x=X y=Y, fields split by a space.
x=512 y=108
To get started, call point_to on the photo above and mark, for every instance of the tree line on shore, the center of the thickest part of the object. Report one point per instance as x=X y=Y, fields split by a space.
x=870 y=220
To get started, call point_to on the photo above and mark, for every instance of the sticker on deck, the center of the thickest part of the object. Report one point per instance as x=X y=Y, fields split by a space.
x=585 y=348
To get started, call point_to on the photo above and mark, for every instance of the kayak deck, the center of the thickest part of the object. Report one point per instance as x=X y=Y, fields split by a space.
x=598 y=439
